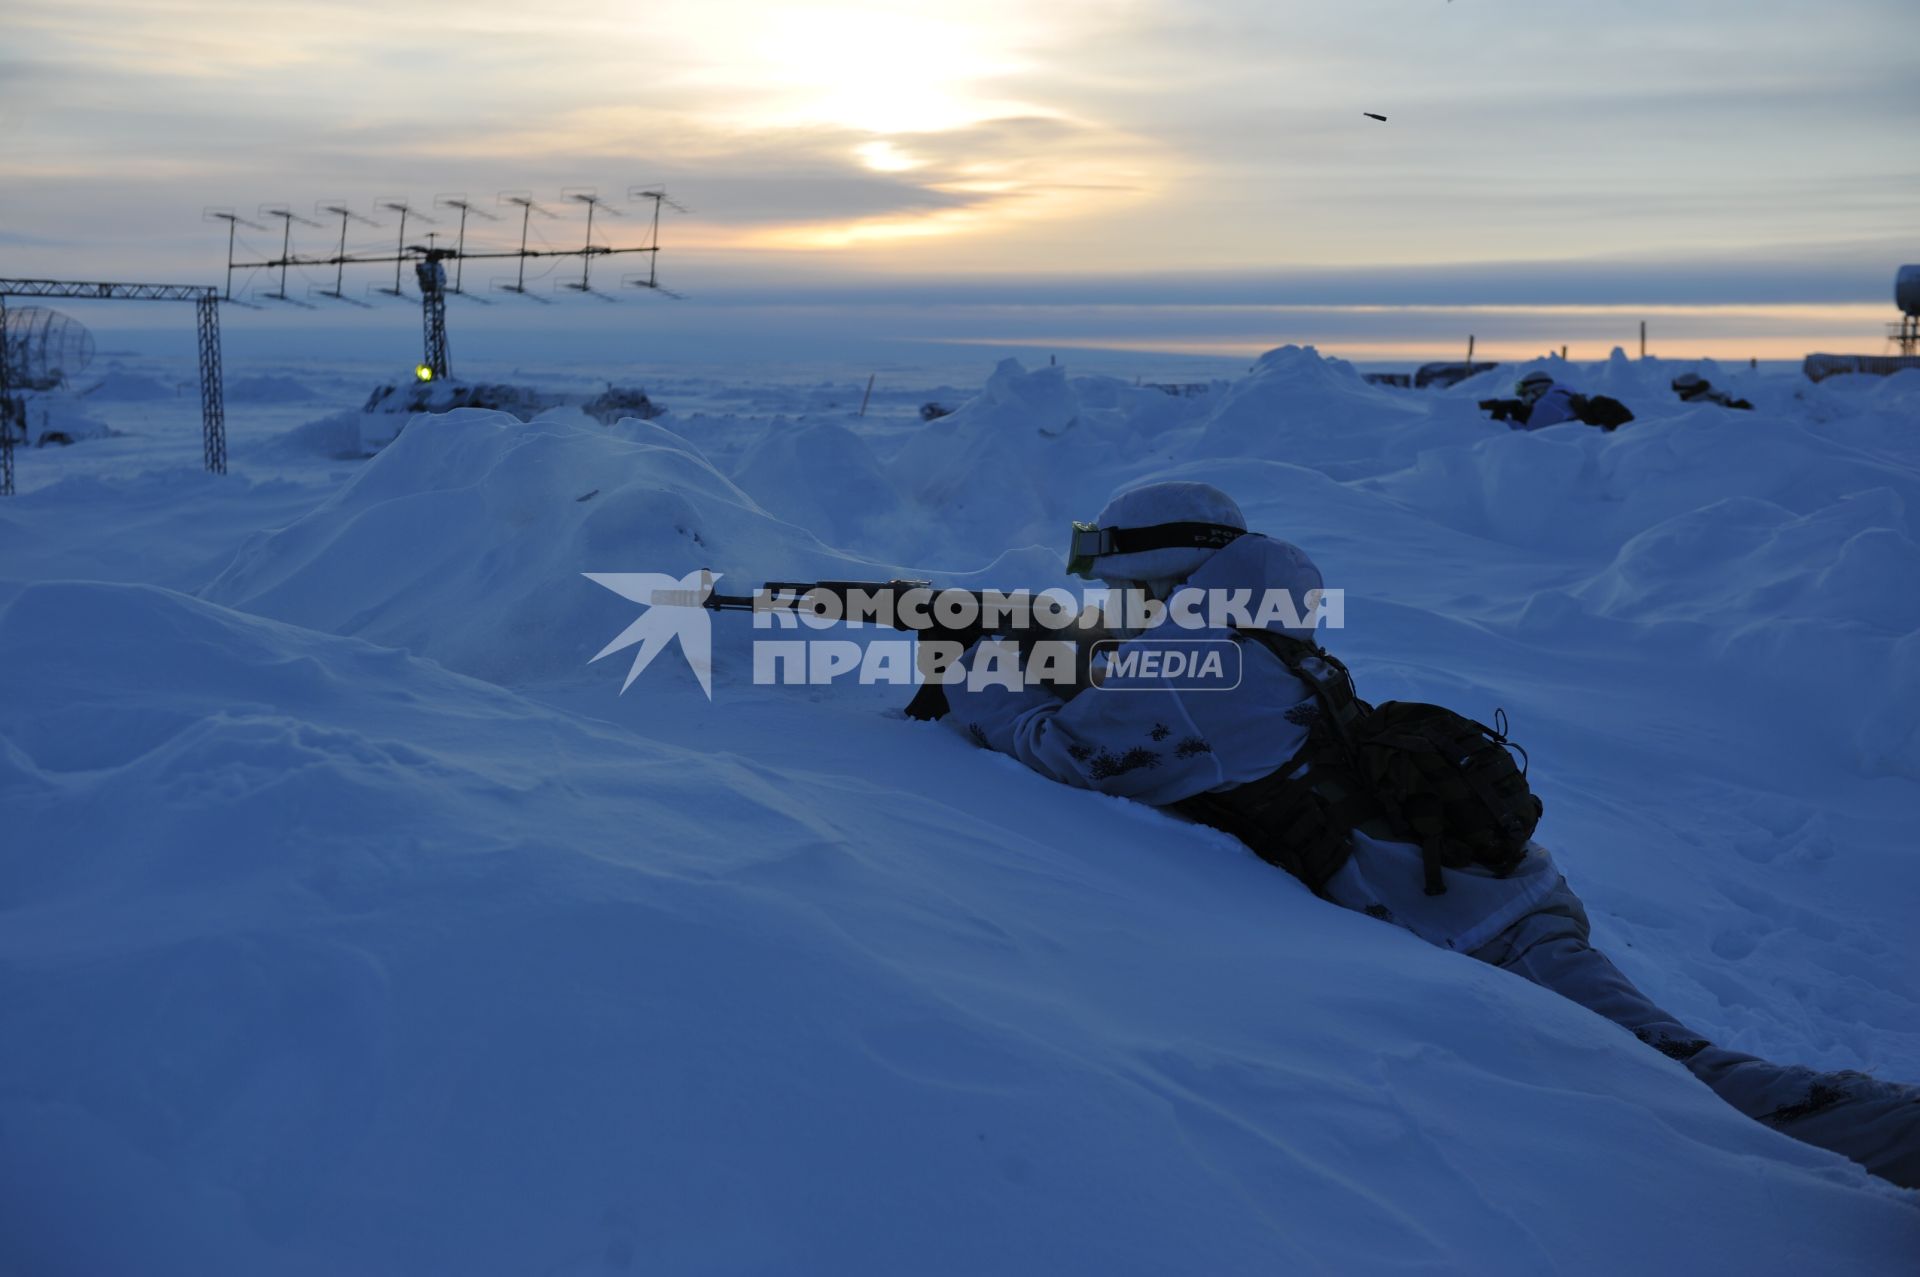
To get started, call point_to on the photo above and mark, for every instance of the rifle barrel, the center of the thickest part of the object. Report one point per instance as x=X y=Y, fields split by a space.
x=777 y=596
x=730 y=602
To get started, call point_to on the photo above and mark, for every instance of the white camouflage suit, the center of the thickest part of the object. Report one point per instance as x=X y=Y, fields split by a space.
x=1158 y=745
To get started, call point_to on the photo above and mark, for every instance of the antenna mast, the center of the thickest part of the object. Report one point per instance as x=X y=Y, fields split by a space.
x=345 y=215
x=233 y=220
x=287 y=218
x=594 y=203
x=527 y=209
x=460 y=245
x=400 y=250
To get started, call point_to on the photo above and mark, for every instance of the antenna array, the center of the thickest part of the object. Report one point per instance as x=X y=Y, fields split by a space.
x=429 y=260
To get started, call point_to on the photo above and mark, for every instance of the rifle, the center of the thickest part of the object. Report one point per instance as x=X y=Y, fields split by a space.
x=1507 y=409
x=912 y=606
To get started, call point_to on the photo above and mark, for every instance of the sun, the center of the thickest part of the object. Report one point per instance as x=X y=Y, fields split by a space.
x=884 y=157
x=879 y=71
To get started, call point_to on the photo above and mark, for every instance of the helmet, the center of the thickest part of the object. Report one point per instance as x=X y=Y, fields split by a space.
x=1691 y=385
x=1533 y=385
x=1157 y=532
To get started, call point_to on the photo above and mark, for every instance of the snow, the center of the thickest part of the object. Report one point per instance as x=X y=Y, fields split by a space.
x=58 y=418
x=268 y=388
x=476 y=516
x=353 y=923
x=132 y=387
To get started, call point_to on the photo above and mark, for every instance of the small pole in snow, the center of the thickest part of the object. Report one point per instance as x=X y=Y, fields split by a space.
x=1643 y=339
x=869 y=394
x=1563 y=350
x=1469 y=352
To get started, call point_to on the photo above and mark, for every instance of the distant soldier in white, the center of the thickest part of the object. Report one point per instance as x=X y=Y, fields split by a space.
x=1693 y=388
x=1408 y=813
x=1540 y=401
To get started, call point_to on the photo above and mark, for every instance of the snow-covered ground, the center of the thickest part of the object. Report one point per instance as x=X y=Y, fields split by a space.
x=353 y=923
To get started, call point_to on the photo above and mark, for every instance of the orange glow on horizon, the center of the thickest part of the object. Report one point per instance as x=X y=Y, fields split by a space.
x=1705 y=332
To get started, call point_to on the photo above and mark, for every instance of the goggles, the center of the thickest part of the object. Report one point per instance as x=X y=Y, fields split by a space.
x=1091 y=541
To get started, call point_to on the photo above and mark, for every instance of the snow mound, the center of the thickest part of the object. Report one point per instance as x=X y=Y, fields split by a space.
x=60 y=418
x=1752 y=559
x=1587 y=492
x=1819 y=610
x=1301 y=408
x=1898 y=390
x=340 y=436
x=268 y=389
x=431 y=978
x=821 y=476
x=353 y=435
x=465 y=540
x=1030 y=452
x=131 y=387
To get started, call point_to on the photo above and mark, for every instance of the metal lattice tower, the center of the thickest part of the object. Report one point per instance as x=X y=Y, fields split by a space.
x=8 y=409
x=1906 y=296
x=431 y=272
x=213 y=405
x=1906 y=335
x=213 y=416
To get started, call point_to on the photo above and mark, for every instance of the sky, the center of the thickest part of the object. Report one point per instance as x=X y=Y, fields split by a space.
x=1195 y=175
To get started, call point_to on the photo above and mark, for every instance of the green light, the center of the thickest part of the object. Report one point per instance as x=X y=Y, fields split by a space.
x=423 y=372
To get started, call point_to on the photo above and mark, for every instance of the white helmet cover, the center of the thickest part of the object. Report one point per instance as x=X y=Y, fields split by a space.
x=1158 y=504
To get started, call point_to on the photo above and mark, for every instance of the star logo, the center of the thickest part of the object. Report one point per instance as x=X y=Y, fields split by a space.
x=674 y=609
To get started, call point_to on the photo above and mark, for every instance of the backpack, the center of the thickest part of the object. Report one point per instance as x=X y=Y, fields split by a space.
x=1603 y=411
x=1401 y=770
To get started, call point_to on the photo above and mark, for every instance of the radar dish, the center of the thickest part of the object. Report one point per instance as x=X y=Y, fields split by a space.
x=1906 y=290
x=44 y=348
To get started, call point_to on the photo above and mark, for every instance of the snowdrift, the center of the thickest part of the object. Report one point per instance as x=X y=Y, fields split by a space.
x=354 y=923
x=466 y=540
x=820 y=475
x=122 y=386
x=1029 y=454
x=269 y=389
x=58 y=417
x=1297 y=407
x=431 y=978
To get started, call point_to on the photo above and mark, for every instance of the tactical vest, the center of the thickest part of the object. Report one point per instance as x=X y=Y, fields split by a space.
x=1403 y=770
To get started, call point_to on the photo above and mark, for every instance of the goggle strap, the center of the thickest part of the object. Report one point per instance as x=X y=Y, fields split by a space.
x=1160 y=536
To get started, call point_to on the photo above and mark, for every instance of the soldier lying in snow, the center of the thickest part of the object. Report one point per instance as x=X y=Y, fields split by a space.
x=1693 y=388
x=1543 y=402
x=1280 y=761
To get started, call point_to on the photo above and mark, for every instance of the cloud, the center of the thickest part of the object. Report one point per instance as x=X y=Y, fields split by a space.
x=1799 y=274
x=890 y=140
x=21 y=239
